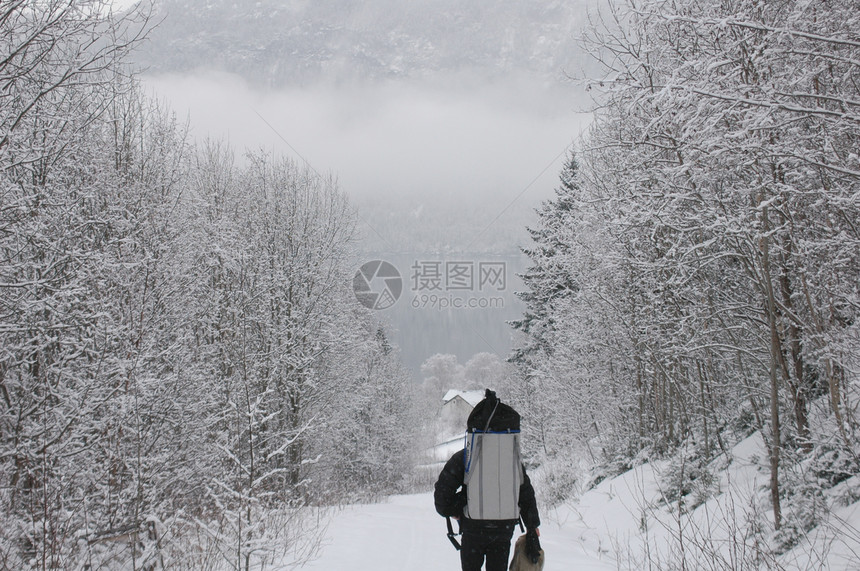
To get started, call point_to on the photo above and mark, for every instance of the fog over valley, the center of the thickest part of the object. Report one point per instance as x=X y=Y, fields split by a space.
x=445 y=124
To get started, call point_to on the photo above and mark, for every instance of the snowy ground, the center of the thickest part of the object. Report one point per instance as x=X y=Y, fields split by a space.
x=626 y=518
x=405 y=534
x=619 y=524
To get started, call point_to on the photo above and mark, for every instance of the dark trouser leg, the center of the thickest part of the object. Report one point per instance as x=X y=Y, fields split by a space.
x=498 y=552
x=495 y=544
x=472 y=552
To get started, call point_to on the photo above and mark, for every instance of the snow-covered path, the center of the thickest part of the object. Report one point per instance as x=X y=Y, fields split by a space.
x=405 y=534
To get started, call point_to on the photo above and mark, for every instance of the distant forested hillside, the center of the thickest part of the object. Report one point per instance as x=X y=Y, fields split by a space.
x=298 y=41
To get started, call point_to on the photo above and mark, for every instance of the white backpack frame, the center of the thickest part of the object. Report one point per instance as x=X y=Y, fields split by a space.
x=493 y=475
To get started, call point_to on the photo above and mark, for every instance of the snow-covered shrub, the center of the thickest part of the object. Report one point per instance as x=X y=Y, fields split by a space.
x=687 y=480
x=209 y=543
x=805 y=477
x=833 y=462
x=558 y=483
x=10 y=534
x=847 y=492
x=803 y=508
x=744 y=422
x=610 y=468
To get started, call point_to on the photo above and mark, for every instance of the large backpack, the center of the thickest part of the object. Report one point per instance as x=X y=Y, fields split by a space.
x=493 y=464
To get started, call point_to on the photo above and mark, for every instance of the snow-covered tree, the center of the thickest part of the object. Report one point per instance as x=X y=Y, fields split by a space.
x=548 y=280
x=179 y=334
x=715 y=235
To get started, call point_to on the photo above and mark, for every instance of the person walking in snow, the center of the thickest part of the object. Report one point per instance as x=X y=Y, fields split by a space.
x=486 y=489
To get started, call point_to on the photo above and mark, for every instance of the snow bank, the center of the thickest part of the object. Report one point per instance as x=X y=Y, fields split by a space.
x=627 y=519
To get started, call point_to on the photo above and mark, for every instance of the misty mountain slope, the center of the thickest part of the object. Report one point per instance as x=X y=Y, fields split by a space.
x=296 y=42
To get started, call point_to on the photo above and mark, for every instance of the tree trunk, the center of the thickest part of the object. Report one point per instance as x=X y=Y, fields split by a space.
x=775 y=354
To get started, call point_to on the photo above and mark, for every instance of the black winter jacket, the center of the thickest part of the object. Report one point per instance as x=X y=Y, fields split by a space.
x=450 y=499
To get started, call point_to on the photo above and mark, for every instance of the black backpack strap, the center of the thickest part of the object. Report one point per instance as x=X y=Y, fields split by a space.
x=451 y=535
x=492 y=414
